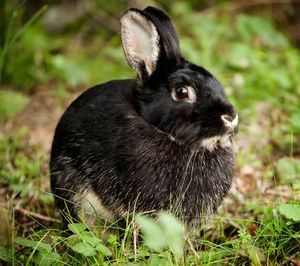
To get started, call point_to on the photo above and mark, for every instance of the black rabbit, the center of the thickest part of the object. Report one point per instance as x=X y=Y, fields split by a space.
x=162 y=141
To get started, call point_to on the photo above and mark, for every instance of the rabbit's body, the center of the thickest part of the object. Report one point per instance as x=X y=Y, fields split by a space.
x=135 y=145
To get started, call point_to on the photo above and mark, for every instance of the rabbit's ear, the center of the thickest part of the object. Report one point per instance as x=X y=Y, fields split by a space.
x=168 y=35
x=140 y=41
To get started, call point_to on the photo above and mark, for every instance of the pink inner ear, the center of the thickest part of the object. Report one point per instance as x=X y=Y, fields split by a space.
x=140 y=41
x=142 y=45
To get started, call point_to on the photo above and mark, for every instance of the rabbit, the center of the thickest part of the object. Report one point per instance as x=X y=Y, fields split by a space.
x=162 y=141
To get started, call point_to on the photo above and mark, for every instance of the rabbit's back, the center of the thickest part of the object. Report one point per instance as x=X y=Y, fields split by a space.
x=84 y=138
x=90 y=118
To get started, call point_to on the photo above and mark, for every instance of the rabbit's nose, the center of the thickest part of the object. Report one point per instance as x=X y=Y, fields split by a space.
x=230 y=121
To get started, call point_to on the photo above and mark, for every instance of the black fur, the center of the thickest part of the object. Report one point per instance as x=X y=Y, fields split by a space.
x=116 y=139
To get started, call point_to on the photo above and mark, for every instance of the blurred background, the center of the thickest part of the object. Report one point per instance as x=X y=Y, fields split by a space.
x=51 y=51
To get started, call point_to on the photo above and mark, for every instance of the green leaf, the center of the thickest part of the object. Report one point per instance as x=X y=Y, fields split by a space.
x=112 y=239
x=252 y=26
x=153 y=234
x=289 y=169
x=11 y=103
x=296 y=186
x=104 y=250
x=90 y=238
x=4 y=253
x=73 y=239
x=256 y=255
x=84 y=249
x=31 y=243
x=295 y=120
x=283 y=78
x=166 y=232
x=70 y=71
x=157 y=261
x=77 y=227
x=46 y=198
x=45 y=259
x=4 y=226
x=23 y=188
x=290 y=211
x=240 y=55
x=173 y=230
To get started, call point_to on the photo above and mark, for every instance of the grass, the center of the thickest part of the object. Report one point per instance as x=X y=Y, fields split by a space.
x=259 y=69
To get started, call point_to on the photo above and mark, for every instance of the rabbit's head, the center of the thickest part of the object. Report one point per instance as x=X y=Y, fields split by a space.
x=177 y=97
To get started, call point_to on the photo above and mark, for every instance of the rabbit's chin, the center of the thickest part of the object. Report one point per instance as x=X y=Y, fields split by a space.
x=210 y=143
x=217 y=141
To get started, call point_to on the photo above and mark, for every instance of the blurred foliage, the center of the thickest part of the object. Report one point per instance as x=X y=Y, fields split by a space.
x=288 y=169
x=11 y=103
x=246 y=52
x=20 y=43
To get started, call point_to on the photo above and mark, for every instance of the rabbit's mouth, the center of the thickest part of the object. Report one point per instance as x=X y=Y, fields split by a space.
x=199 y=135
x=224 y=140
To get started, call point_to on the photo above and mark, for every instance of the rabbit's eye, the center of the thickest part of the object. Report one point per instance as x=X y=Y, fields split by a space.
x=182 y=93
x=185 y=94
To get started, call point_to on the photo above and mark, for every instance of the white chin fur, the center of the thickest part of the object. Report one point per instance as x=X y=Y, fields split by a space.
x=208 y=143
x=211 y=143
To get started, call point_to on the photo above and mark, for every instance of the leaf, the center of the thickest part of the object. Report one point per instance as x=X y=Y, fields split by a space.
x=71 y=72
x=269 y=34
x=112 y=239
x=283 y=78
x=4 y=226
x=31 y=243
x=295 y=120
x=153 y=234
x=251 y=26
x=23 y=188
x=240 y=55
x=289 y=169
x=77 y=227
x=84 y=249
x=290 y=211
x=11 y=103
x=296 y=186
x=90 y=238
x=4 y=253
x=46 y=198
x=256 y=255
x=84 y=236
x=72 y=240
x=173 y=230
x=45 y=259
x=157 y=261
x=104 y=250
x=166 y=232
